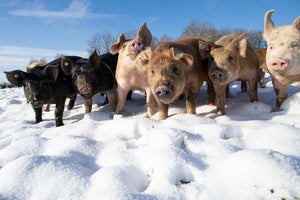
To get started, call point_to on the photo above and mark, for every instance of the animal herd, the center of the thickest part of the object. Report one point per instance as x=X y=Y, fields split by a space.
x=169 y=71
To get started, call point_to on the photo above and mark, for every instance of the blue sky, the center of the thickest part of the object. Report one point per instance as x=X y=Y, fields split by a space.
x=43 y=28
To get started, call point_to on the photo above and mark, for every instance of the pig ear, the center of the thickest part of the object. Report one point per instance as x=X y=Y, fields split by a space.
x=296 y=24
x=16 y=77
x=115 y=48
x=144 y=35
x=51 y=72
x=269 y=25
x=94 y=59
x=66 y=65
x=240 y=44
x=205 y=48
x=180 y=55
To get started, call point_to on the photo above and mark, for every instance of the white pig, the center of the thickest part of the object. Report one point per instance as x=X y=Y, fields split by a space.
x=283 y=55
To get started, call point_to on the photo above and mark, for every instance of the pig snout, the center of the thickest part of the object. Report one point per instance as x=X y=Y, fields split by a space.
x=279 y=64
x=83 y=86
x=137 y=45
x=164 y=91
x=217 y=75
x=85 y=89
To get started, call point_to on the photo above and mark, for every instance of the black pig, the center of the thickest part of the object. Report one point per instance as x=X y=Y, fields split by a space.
x=92 y=76
x=46 y=84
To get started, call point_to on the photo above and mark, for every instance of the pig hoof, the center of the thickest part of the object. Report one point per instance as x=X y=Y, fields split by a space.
x=220 y=112
x=116 y=116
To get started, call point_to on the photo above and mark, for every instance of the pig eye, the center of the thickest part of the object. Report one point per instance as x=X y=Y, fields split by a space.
x=230 y=58
x=124 y=46
x=174 y=69
x=270 y=47
x=294 y=44
x=152 y=71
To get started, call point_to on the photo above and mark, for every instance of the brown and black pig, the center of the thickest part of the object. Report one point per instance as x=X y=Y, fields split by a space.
x=283 y=55
x=92 y=76
x=128 y=76
x=176 y=68
x=46 y=84
x=232 y=59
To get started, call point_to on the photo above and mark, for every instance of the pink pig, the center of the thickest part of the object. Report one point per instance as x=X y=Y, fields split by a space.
x=128 y=75
x=283 y=55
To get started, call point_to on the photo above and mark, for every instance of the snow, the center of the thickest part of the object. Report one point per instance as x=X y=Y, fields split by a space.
x=249 y=153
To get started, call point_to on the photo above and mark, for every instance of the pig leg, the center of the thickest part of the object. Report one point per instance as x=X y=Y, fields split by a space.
x=261 y=78
x=221 y=96
x=253 y=90
x=163 y=110
x=191 y=102
x=38 y=114
x=72 y=101
x=47 y=108
x=150 y=103
x=281 y=91
x=211 y=93
x=122 y=93
x=58 y=113
x=243 y=86
x=112 y=98
x=87 y=104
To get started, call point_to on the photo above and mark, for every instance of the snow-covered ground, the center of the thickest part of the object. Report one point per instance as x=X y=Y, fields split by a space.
x=250 y=153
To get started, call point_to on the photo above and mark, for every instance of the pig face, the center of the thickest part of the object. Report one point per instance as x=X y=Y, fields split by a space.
x=37 y=89
x=129 y=49
x=283 y=53
x=224 y=61
x=166 y=74
x=84 y=75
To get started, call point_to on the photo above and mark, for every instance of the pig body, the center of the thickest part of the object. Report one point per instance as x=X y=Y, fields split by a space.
x=232 y=59
x=92 y=76
x=128 y=76
x=176 y=68
x=46 y=84
x=283 y=55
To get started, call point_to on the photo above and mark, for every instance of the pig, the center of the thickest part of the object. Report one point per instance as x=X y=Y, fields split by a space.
x=29 y=68
x=92 y=76
x=261 y=55
x=232 y=59
x=128 y=76
x=283 y=55
x=176 y=68
x=46 y=84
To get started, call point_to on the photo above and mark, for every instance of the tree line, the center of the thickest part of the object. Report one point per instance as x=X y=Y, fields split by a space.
x=101 y=42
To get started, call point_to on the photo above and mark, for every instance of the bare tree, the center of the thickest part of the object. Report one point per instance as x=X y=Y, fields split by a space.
x=165 y=38
x=101 y=42
x=33 y=60
x=256 y=40
x=205 y=30
x=130 y=34
x=154 y=42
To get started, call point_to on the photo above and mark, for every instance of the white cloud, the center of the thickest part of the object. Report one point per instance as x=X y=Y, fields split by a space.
x=77 y=9
x=19 y=57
